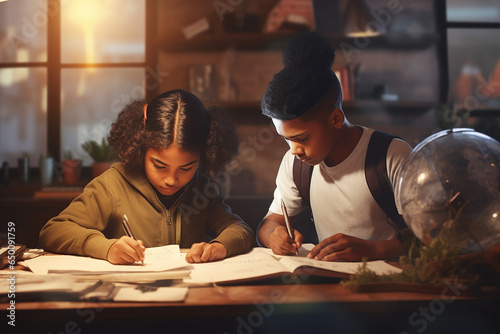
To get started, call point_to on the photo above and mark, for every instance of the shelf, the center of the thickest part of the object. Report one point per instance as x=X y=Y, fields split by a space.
x=249 y=112
x=276 y=41
x=389 y=106
x=219 y=42
x=484 y=113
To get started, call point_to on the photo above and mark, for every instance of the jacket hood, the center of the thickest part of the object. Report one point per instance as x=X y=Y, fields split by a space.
x=139 y=180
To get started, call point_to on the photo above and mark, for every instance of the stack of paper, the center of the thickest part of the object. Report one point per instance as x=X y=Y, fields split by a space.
x=69 y=277
x=158 y=259
x=161 y=263
x=46 y=287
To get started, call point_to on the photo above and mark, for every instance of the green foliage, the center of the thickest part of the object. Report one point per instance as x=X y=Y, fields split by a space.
x=99 y=152
x=439 y=261
x=68 y=155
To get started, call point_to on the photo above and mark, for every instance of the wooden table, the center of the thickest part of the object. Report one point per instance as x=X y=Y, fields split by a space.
x=283 y=305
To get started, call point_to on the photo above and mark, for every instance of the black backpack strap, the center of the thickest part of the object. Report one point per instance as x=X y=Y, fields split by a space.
x=302 y=173
x=377 y=179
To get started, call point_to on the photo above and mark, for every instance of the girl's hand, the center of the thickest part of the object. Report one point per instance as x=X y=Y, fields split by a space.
x=126 y=251
x=204 y=252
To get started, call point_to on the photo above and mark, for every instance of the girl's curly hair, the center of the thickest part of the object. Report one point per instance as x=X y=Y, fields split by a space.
x=174 y=116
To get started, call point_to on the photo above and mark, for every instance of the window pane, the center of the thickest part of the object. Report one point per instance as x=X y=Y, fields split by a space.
x=91 y=101
x=96 y=31
x=473 y=10
x=474 y=80
x=474 y=69
x=23 y=31
x=23 y=114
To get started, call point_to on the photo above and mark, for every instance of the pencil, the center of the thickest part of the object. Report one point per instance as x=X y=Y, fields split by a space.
x=128 y=229
x=287 y=222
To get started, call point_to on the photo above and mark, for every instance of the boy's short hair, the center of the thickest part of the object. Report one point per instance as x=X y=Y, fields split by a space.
x=306 y=77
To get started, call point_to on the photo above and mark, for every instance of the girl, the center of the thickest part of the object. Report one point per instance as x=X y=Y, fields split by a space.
x=168 y=148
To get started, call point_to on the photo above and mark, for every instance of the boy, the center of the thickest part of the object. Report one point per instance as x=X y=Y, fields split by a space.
x=304 y=101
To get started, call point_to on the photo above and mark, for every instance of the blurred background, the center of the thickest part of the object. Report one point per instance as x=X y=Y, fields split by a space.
x=67 y=68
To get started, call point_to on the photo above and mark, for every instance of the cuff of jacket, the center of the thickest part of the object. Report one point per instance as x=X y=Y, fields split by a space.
x=236 y=241
x=97 y=246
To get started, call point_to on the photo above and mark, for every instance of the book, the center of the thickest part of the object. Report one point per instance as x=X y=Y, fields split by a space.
x=261 y=263
x=196 y=28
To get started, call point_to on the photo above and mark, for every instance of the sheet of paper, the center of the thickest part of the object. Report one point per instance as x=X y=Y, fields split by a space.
x=45 y=283
x=162 y=294
x=169 y=253
x=253 y=264
x=43 y=265
x=139 y=277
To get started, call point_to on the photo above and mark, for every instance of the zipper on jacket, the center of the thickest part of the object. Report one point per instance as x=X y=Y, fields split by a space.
x=170 y=228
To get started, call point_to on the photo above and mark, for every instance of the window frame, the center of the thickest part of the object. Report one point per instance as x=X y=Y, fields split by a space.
x=54 y=67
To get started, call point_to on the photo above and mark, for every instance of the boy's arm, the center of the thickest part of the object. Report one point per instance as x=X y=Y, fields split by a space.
x=272 y=233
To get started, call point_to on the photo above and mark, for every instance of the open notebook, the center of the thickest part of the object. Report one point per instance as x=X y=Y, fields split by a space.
x=262 y=263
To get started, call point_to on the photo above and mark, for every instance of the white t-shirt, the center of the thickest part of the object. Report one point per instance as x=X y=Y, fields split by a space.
x=341 y=201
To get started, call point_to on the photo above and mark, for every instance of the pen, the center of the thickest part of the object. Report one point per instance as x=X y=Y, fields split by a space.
x=128 y=230
x=287 y=221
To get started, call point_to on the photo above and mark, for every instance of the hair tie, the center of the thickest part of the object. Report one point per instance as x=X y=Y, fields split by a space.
x=145 y=113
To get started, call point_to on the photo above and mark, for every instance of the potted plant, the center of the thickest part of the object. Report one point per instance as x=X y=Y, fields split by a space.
x=72 y=168
x=102 y=154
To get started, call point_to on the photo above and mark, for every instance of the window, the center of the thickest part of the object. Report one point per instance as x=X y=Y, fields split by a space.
x=66 y=70
x=95 y=32
x=473 y=51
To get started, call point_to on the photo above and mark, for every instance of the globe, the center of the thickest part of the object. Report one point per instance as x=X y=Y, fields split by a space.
x=453 y=174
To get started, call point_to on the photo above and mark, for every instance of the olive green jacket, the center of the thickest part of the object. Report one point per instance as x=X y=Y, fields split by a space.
x=93 y=221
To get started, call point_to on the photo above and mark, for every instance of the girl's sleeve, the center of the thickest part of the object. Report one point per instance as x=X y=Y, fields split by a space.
x=230 y=230
x=78 y=229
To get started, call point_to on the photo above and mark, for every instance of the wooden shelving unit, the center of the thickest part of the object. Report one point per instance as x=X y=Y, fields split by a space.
x=249 y=112
x=276 y=41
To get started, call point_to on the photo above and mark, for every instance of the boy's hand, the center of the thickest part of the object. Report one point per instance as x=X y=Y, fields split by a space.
x=282 y=244
x=204 y=252
x=126 y=251
x=341 y=247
